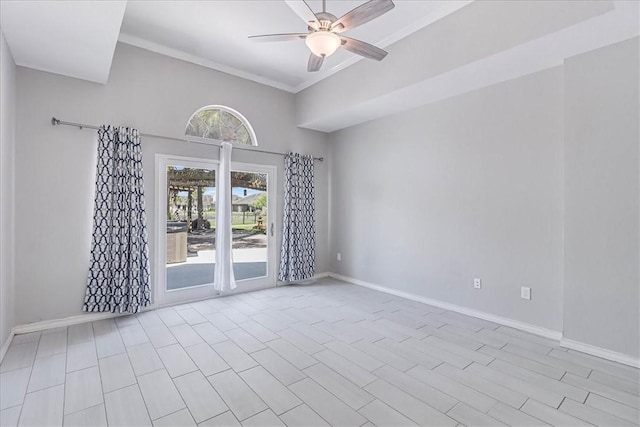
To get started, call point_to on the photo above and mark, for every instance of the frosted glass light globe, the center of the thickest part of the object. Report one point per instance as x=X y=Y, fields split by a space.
x=323 y=43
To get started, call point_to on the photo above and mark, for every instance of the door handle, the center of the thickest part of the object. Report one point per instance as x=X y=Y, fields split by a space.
x=271 y=229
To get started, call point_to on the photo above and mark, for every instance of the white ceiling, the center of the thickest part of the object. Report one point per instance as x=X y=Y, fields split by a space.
x=588 y=25
x=215 y=34
x=78 y=38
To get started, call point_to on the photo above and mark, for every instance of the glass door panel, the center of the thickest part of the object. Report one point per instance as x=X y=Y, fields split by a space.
x=191 y=195
x=185 y=253
x=253 y=225
x=249 y=224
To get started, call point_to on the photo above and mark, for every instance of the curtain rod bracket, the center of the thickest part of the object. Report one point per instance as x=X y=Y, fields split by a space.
x=54 y=121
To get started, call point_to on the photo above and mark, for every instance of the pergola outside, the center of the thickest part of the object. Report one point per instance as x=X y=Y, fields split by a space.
x=195 y=180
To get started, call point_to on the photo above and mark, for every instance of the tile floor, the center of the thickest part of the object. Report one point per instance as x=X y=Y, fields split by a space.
x=315 y=355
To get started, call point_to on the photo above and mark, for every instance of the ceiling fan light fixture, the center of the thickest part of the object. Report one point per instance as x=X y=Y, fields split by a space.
x=324 y=38
x=323 y=43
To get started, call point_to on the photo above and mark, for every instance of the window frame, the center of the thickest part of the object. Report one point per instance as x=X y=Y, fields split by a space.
x=213 y=141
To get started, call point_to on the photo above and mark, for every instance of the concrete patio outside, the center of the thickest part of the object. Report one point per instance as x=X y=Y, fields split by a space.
x=248 y=263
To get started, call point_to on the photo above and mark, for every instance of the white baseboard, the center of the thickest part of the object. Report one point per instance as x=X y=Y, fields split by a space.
x=67 y=321
x=55 y=323
x=523 y=326
x=516 y=324
x=600 y=352
x=6 y=345
x=306 y=281
x=317 y=276
x=91 y=317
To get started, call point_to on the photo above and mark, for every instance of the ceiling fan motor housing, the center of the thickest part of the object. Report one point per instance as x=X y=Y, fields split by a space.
x=325 y=19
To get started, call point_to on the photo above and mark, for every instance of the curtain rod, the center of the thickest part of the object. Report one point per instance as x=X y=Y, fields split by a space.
x=58 y=122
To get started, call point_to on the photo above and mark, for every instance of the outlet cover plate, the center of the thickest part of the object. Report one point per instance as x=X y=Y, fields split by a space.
x=525 y=293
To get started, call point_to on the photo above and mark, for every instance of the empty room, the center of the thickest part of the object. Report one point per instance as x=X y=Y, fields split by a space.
x=320 y=213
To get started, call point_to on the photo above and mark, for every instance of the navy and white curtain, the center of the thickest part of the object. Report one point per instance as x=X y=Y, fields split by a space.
x=118 y=278
x=298 y=256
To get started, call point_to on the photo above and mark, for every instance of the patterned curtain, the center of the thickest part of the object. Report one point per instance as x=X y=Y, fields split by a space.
x=119 y=273
x=298 y=256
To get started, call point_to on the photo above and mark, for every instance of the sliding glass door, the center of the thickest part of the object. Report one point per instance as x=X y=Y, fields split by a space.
x=252 y=224
x=186 y=218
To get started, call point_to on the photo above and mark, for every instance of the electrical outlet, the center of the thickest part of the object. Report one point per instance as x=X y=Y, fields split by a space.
x=525 y=293
x=477 y=283
x=339 y=256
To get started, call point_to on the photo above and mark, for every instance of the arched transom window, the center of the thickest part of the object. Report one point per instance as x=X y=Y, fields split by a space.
x=220 y=123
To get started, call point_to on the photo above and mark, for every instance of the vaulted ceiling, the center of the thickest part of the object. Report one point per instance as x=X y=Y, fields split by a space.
x=437 y=49
x=78 y=38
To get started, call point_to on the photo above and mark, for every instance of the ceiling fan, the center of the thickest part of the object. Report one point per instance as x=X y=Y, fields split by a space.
x=324 y=30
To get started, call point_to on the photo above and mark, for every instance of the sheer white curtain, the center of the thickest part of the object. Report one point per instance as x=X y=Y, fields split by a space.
x=224 y=279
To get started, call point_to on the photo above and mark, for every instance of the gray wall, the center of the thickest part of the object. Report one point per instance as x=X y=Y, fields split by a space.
x=7 y=152
x=424 y=201
x=601 y=296
x=421 y=202
x=532 y=182
x=55 y=166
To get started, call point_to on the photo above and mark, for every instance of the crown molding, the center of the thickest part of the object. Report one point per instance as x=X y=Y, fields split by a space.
x=198 y=60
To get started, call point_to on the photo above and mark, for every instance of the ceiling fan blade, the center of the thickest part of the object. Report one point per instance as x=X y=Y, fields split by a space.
x=278 y=37
x=315 y=62
x=362 y=14
x=363 y=49
x=302 y=9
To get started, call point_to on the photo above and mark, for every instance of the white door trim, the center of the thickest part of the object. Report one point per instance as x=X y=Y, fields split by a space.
x=160 y=296
x=272 y=203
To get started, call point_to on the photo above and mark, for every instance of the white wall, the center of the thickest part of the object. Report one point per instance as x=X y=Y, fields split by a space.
x=602 y=267
x=7 y=153
x=55 y=166
x=424 y=201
